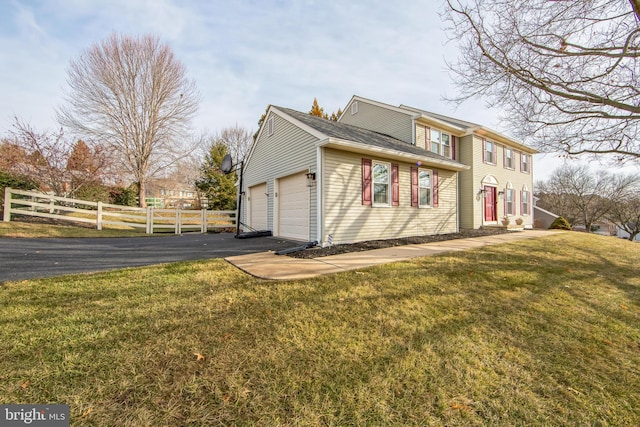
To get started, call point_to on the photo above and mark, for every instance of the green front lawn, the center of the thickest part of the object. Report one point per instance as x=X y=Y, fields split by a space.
x=538 y=332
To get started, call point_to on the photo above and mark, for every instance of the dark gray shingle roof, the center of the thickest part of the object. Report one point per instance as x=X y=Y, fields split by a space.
x=356 y=134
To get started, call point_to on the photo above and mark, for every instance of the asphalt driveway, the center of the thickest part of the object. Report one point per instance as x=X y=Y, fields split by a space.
x=35 y=258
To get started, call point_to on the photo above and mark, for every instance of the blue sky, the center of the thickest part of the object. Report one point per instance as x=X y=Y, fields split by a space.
x=243 y=55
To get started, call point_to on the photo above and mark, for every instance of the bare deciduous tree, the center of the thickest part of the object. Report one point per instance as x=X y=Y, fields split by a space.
x=625 y=208
x=51 y=159
x=133 y=95
x=238 y=141
x=585 y=197
x=564 y=72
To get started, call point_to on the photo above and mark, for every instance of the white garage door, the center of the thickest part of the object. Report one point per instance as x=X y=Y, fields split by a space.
x=293 y=207
x=258 y=207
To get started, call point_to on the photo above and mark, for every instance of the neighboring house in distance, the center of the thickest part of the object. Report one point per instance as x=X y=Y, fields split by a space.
x=499 y=180
x=167 y=193
x=313 y=179
x=624 y=235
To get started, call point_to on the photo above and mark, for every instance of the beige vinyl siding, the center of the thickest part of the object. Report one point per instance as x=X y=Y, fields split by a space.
x=471 y=209
x=468 y=188
x=421 y=136
x=382 y=120
x=347 y=220
x=288 y=151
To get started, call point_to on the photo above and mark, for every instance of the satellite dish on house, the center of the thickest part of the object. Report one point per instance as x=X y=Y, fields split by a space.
x=227 y=164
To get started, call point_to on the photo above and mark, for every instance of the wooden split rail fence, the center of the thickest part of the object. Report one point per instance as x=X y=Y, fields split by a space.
x=19 y=202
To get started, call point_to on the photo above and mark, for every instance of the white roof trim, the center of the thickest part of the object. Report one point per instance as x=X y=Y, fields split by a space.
x=484 y=132
x=386 y=153
x=377 y=104
x=299 y=124
x=287 y=117
x=545 y=211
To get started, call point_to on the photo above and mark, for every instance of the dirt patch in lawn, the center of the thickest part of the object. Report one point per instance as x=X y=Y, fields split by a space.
x=387 y=243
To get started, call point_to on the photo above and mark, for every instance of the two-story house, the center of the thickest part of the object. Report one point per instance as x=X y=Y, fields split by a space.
x=380 y=172
x=499 y=181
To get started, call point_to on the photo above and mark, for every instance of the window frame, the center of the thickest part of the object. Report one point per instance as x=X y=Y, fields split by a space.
x=512 y=158
x=388 y=184
x=439 y=142
x=493 y=152
x=525 y=201
x=525 y=165
x=429 y=188
x=510 y=193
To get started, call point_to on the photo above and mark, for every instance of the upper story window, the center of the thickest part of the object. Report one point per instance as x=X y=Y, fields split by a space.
x=525 y=163
x=381 y=184
x=509 y=161
x=440 y=143
x=425 y=187
x=489 y=153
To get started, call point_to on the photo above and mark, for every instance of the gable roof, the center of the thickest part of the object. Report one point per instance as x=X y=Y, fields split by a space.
x=461 y=126
x=353 y=138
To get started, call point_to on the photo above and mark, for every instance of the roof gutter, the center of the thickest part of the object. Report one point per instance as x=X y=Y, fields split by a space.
x=357 y=147
x=498 y=137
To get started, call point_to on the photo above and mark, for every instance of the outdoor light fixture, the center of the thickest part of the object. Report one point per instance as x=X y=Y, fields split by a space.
x=501 y=194
x=311 y=177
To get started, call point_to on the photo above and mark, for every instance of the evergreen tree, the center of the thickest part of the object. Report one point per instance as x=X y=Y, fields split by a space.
x=218 y=188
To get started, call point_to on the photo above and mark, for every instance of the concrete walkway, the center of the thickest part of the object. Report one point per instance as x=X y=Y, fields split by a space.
x=268 y=265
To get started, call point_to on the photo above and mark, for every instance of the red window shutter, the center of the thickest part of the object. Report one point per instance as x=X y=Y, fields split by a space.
x=435 y=189
x=484 y=150
x=366 y=181
x=395 y=185
x=414 y=187
x=453 y=147
x=521 y=203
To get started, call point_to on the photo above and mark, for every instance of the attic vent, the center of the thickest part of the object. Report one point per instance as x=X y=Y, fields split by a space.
x=270 y=126
x=354 y=107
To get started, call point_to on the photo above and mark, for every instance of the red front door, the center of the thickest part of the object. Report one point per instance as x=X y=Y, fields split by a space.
x=490 y=204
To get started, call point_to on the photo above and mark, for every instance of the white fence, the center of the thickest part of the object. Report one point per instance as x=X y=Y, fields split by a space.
x=19 y=202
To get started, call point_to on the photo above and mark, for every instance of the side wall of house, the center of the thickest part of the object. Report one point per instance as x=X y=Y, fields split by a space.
x=287 y=151
x=380 y=119
x=348 y=220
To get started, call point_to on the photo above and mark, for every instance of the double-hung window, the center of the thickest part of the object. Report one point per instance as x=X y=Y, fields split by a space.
x=510 y=201
x=508 y=158
x=435 y=141
x=381 y=184
x=446 y=145
x=440 y=143
x=425 y=187
x=490 y=152
x=524 y=163
x=526 y=197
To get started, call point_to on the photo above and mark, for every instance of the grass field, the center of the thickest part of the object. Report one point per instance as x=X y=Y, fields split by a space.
x=539 y=332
